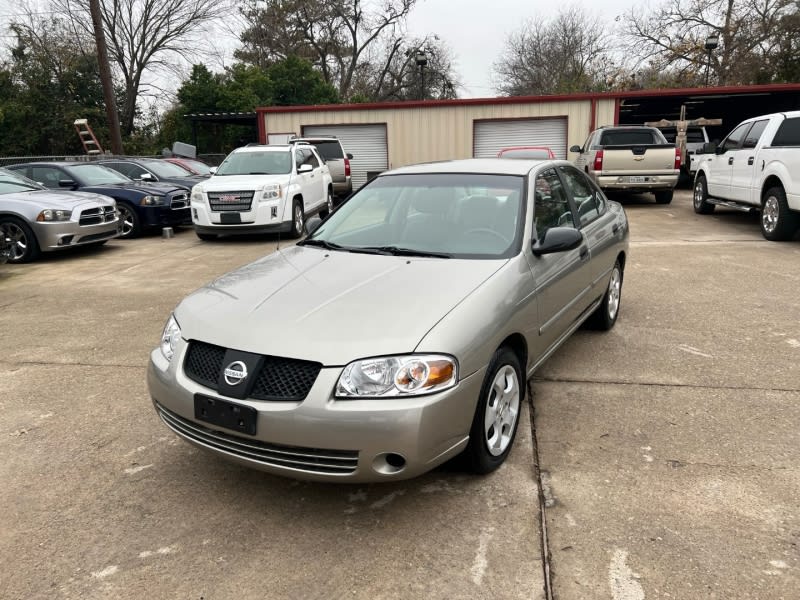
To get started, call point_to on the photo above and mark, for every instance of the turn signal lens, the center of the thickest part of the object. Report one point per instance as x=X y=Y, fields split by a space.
x=170 y=337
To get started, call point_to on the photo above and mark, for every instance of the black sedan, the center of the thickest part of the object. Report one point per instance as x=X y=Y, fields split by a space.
x=153 y=169
x=141 y=205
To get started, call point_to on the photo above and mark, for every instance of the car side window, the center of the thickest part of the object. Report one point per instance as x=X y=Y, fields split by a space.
x=788 y=133
x=590 y=204
x=310 y=158
x=733 y=140
x=550 y=204
x=299 y=157
x=47 y=176
x=754 y=134
x=135 y=171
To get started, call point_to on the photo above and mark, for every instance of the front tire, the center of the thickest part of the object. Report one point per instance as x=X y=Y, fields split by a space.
x=23 y=244
x=700 y=198
x=496 y=419
x=605 y=315
x=131 y=225
x=778 y=222
x=664 y=197
x=298 y=219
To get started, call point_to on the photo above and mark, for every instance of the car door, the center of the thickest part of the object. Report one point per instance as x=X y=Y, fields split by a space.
x=562 y=279
x=720 y=166
x=596 y=223
x=743 y=170
x=314 y=193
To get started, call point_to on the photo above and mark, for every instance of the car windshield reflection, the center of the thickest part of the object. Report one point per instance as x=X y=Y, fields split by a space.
x=438 y=215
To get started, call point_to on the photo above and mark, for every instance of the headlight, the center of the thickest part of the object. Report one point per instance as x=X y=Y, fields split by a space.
x=197 y=197
x=49 y=215
x=271 y=192
x=392 y=376
x=152 y=201
x=170 y=337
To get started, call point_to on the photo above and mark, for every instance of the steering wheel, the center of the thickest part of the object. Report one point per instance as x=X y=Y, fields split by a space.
x=489 y=231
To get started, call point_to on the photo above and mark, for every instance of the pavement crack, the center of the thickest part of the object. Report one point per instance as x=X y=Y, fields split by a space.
x=697 y=386
x=543 y=503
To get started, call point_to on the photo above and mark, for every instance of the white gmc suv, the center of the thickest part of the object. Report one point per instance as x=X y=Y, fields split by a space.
x=263 y=189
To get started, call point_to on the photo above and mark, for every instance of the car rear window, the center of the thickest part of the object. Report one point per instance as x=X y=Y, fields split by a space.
x=330 y=150
x=629 y=137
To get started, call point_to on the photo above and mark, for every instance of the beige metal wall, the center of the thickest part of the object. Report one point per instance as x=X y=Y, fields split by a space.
x=445 y=132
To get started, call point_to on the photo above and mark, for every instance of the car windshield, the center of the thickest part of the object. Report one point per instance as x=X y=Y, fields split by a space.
x=96 y=175
x=13 y=182
x=163 y=168
x=329 y=150
x=461 y=215
x=257 y=163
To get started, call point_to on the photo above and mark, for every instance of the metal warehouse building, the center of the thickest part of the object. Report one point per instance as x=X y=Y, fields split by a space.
x=388 y=135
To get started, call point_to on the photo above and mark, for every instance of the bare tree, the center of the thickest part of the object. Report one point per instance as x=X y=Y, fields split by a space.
x=143 y=35
x=569 y=53
x=339 y=37
x=752 y=34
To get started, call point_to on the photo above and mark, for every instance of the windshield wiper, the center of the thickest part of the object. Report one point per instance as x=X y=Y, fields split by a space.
x=323 y=244
x=396 y=251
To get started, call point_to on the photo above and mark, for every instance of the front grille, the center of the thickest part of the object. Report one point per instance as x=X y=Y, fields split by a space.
x=311 y=460
x=97 y=216
x=280 y=379
x=179 y=201
x=230 y=201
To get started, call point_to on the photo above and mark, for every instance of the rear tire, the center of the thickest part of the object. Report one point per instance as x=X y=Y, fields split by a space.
x=496 y=419
x=700 y=198
x=778 y=222
x=23 y=244
x=664 y=197
x=206 y=237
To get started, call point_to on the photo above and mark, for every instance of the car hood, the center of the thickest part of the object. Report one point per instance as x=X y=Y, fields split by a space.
x=222 y=183
x=330 y=307
x=65 y=200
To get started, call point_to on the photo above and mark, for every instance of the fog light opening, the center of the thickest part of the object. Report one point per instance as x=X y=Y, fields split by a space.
x=389 y=463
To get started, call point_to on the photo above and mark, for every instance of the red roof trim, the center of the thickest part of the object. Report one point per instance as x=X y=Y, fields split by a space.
x=703 y=91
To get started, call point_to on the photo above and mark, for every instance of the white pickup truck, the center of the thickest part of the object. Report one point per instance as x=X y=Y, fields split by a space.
x=631 y=158
x=757 y=167
x=263 y=189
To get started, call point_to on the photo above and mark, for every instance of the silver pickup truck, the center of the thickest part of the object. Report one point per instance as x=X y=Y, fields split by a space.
x=631 y=159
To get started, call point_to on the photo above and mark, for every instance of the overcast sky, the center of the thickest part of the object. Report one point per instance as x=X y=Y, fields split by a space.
x=476 y=30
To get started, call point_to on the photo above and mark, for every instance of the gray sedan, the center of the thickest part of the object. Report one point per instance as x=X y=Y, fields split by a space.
x=34 y=219
x=400 y=333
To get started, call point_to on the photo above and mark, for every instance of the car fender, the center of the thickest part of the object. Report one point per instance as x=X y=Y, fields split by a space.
x=771 y=170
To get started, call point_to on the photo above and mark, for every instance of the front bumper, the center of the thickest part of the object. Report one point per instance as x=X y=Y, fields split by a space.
x=65 y=234
x=159 y=216
x=650 y=183
x=322 y=438
x=262 y=217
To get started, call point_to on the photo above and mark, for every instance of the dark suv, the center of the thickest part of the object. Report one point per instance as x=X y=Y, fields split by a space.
x=338 y=161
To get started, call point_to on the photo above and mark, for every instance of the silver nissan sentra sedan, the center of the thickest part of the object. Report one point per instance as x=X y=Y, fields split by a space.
x=400 y=333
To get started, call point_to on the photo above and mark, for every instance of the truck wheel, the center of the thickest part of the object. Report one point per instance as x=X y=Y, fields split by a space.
x=298 y=219
x=700 y=199
x=664 y=197
x=778 y=222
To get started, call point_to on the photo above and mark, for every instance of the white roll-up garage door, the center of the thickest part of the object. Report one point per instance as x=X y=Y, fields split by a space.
x=367 y=144
x=491 y=136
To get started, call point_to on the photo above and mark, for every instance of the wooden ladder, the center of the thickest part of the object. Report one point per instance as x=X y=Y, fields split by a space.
x=89 y=141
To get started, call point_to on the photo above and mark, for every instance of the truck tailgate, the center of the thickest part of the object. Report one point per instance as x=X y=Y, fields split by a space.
x=634 y=160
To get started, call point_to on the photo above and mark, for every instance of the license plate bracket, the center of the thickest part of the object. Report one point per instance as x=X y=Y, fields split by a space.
x=230 y=415
x=229 y=218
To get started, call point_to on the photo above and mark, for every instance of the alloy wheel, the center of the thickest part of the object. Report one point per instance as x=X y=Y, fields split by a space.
x=126 y=217
x=330 y=203
x=770 y=214
x=298 y=217
x=614 y=289
x=17 y=240
x=502 y=410
x=698 y=194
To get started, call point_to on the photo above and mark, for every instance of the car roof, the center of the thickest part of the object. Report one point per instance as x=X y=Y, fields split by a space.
x=493 y=166
x=265 y=148
x=56 y=163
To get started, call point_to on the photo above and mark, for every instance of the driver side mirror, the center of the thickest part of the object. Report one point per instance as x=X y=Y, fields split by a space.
x=67 y=183
x=557 y=239
x=575 y=149
x=709 y=148
x=212 y=170
x=304 y=168
x=312 y=224
x=147 y=177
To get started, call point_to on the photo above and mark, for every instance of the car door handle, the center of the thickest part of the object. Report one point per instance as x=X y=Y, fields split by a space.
x=614 y=229
x=730 y=160
x=750 y=160
x=584 y=253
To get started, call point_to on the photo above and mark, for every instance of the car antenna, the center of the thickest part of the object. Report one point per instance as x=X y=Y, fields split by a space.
x=288 y=186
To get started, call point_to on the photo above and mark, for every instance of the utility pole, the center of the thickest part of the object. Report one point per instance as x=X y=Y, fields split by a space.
x=105 y=77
